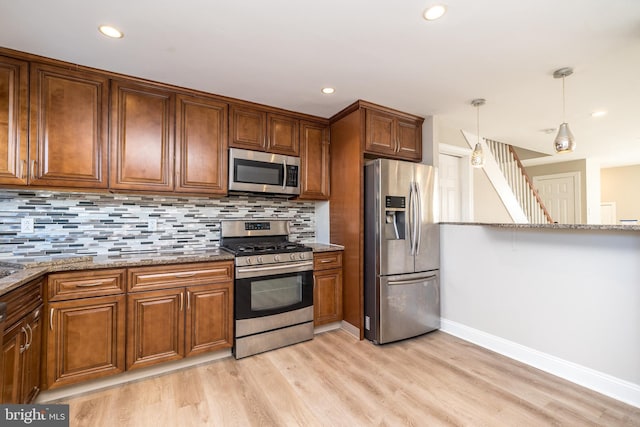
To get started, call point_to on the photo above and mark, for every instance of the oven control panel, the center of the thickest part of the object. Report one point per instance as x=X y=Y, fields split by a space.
x=288 y=258
x=252 y=226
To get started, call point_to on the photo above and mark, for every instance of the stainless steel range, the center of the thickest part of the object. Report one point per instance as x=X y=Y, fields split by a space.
x=273 y=285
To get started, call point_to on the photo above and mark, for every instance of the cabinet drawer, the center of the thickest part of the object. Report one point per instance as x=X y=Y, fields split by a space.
x=327 y=260
x=22 y=301
x=168 y=276
x=88 y=283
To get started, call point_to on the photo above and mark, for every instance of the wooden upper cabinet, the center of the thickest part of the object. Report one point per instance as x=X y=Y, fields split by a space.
x=314 y=161
x=142 y=120
x=283 y=135
x=253 y=129
x=201 y=146
x=69 y=113
x=380 y=133
x=409 y=139
x=248 y=128
x=393 y=136
x=14 y=80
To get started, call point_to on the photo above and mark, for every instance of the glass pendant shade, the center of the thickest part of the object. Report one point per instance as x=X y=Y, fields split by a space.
x=564 y=142
x=477 y=157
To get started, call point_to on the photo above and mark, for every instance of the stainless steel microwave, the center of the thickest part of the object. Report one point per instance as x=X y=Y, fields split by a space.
x=258 y=172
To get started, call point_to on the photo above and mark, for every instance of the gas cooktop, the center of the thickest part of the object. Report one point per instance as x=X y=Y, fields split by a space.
x=264 y=247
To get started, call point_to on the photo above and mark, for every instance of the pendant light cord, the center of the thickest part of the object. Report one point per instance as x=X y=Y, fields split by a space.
x=478 y=123
x=564 y=120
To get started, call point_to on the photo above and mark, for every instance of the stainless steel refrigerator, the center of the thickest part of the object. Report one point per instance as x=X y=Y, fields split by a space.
x=402 y=251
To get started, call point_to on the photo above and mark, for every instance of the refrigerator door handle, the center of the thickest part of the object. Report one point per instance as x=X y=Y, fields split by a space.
x=415 y=224
x=411 y=217
x=419 y=218
x=411 y=281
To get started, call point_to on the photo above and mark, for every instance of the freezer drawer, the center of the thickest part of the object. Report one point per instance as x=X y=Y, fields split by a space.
x=409 y=305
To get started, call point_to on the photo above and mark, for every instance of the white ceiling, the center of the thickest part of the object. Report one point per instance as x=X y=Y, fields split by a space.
x=282 y=52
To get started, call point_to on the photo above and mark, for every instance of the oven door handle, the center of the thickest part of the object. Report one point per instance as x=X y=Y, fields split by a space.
x=275 y=267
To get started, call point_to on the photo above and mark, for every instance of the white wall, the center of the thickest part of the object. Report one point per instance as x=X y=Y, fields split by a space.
x=571 y=295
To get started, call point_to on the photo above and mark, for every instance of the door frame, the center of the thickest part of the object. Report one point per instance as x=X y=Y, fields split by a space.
x=466 y=178
x=577 y=190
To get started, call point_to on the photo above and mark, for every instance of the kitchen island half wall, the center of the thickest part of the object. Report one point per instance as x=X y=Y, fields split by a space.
x=109 y=224
x=564 y=300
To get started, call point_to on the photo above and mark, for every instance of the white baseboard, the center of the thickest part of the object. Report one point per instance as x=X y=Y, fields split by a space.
x=127 y=377
x=326 y=328
x=606 y=384
x=353 y=330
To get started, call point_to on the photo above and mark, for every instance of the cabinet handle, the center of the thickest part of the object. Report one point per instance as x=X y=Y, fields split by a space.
x=51 y=319
x=23 y=168
x=324 y=261
x=181 y=300
x=33 y=169
x=184 y=275
x=188 y=300
x=30 y=337
x=24 y=347
x=88 y=285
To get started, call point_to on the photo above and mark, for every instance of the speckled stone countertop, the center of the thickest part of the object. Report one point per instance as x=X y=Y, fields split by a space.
x=324 y=247
x=605 y=227
x=26 y=269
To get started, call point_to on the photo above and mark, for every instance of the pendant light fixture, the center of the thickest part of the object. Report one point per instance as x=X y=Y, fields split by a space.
x=477 y=157
x=564 y=142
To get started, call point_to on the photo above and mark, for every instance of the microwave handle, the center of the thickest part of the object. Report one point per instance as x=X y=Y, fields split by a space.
x=284 y=180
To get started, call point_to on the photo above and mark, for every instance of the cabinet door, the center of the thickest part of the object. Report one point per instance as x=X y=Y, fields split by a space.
x=31 y=357
x=248 y=128
x=283 y=135
x=314 y=161
x=209 y=324
x=13 y=121
x=327 y=296
x=155 y=327
x=69 y=111
x=13 y=345
x=380 y=135
x=84 y=339
x=201 y=147
x=409 y=139
x=142 y=119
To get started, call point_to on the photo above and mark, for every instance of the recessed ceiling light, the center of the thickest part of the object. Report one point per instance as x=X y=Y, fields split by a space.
x=548 y=131
x=434 y=12
x=599 y=113
x=328 y=90
x=110 y=31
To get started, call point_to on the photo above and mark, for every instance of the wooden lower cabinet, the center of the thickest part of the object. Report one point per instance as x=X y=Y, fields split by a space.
x=21 y=345
x=21 y=349
x=209 y=323
x=85 y=339
x=327 y=287
x=155 y=331
x=174 y=323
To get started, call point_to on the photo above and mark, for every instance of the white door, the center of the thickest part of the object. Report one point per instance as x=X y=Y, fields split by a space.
x=450 y=188
x=560 y=193
x=608 y=213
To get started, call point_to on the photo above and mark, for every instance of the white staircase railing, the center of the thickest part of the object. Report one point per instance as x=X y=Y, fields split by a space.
x=519 y=181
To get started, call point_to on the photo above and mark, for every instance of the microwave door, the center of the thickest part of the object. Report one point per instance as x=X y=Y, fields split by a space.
x=259 y=172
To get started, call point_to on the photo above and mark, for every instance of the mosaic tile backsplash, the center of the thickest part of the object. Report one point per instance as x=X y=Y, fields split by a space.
x=103 y=224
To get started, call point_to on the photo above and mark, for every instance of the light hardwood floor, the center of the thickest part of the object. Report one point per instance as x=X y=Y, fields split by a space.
x=336 y=380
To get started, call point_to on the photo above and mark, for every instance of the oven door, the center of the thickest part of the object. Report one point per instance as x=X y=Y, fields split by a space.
x=255 y=171
x=266 y=295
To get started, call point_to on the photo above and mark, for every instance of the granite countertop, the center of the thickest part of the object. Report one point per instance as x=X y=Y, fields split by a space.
x=25 y=269
x=605 y=227
x=324 y=247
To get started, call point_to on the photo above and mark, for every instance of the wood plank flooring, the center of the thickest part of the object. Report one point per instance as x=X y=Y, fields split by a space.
x=336 y=380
